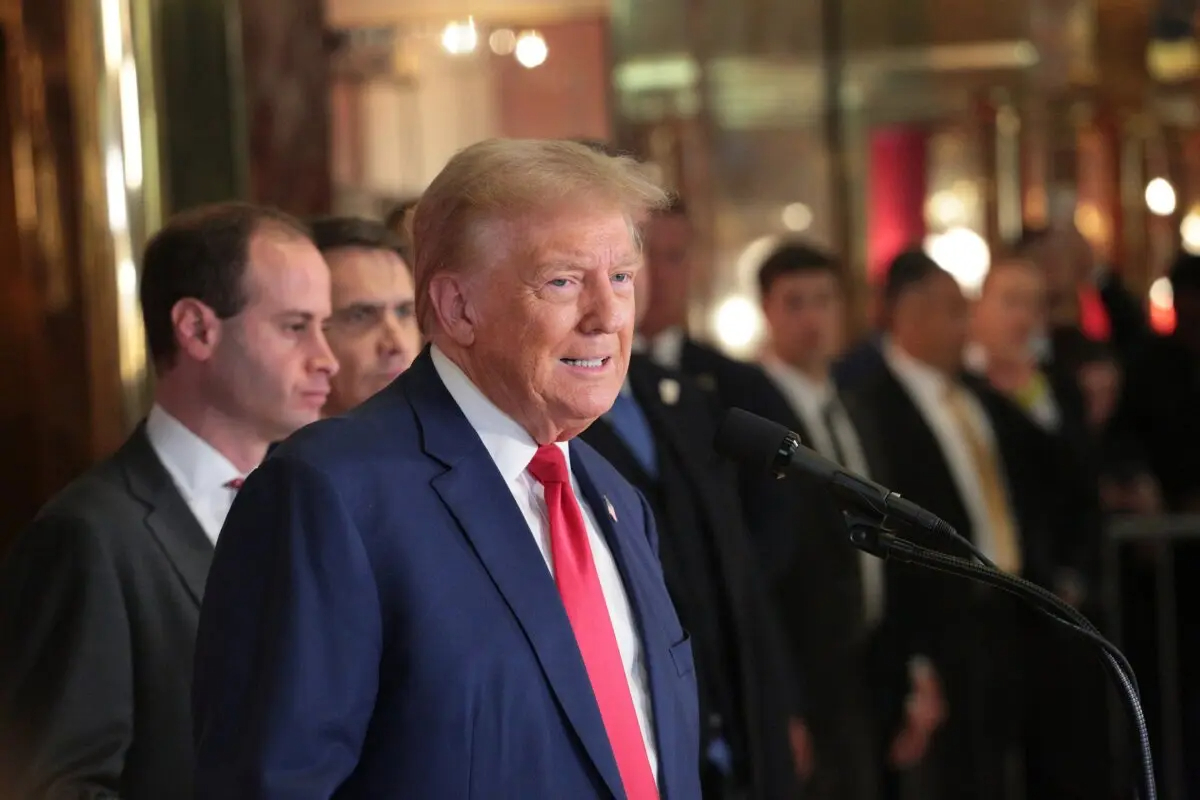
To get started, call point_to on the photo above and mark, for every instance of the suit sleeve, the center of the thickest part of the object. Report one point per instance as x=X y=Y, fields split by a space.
x=290 y=638
x=66 y=666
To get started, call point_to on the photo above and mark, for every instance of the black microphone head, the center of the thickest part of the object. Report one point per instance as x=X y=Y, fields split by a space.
x=752 y=439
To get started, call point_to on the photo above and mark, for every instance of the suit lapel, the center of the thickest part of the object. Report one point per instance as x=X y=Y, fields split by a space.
x=168 y=517
x=638 y=574
x=475 y=494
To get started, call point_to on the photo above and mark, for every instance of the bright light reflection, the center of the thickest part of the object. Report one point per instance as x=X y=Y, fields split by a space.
x=460 y=38
x=964 y=254
x=736 y=322
x=1160 y=197
x=531 y=50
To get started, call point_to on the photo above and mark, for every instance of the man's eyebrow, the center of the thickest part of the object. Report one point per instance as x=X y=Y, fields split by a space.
x=576 y=263
x=296 y=314
x=362 y=305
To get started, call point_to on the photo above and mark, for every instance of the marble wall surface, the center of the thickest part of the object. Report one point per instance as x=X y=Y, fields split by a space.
x=286 y=79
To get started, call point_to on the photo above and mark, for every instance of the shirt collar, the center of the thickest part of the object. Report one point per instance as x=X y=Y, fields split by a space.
x=916 y=374
x=510 y=446
x=797 y=381
x=196 y=466
x=975 y=358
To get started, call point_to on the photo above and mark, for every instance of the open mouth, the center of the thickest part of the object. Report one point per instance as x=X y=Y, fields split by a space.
x=585 y=363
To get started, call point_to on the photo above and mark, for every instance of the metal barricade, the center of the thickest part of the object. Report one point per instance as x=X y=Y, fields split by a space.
x=1164 y=532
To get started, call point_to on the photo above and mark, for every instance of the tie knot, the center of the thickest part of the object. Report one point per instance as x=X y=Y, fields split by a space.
x=549 y=465
x=235 y=484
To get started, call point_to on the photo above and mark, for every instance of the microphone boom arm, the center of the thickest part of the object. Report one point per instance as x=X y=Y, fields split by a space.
x=871 y=535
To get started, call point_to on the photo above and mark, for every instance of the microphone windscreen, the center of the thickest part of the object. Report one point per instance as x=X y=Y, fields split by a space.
x=750 y=439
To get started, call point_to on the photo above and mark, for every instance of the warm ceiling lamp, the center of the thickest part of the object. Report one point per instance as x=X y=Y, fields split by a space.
x=531 y=49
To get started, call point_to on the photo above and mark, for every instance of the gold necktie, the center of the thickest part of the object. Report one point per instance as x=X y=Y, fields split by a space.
x=1007 y=551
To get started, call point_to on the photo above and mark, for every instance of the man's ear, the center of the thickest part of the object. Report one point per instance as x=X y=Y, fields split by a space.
x=452 y=297
x=197 y=329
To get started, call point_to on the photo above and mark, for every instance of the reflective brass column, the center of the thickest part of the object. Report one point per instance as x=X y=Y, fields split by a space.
x=71 y=215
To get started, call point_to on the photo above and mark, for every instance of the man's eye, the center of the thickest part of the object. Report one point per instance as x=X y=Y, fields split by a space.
x=560 y=282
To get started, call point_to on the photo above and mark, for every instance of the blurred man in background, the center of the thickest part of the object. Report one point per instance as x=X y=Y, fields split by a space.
x=768 y=505
x=659 y=435
x=373 y=326
x=832 y=596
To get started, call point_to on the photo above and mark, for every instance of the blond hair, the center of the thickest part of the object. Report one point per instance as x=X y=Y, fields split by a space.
x=503 y=179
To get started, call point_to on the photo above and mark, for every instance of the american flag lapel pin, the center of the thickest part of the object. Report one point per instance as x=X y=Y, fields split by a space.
x=612 y=512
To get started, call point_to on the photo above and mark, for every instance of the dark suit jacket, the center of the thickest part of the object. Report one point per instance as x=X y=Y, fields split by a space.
x=820 y=597
x=770 y=506
x=379 y=622
x=99 y=602
x=727 y=610
x=969 y=631
x=860 y=363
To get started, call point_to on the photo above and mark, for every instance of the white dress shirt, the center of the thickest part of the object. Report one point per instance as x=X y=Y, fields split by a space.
x=199 y=472
x=927 y=388
x=512 y=448
x=809 y=399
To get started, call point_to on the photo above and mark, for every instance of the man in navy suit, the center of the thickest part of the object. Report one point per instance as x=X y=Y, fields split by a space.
x=441 y=594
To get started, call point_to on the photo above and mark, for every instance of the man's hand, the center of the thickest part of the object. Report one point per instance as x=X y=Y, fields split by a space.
x=802 y=751
x=925 y=710
x=1069 y=587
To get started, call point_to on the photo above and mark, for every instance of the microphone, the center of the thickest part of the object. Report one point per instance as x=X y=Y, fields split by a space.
x=755 y=440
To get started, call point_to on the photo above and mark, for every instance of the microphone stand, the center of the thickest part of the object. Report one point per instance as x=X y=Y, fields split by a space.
x=872 y=535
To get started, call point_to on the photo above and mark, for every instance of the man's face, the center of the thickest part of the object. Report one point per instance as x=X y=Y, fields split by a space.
x=550 y=319
x=271 y=365
x=1011 y=310
x=930 y=322
x=1066 y=259
x=373 y=329
x=804 y=314
x=668 y=245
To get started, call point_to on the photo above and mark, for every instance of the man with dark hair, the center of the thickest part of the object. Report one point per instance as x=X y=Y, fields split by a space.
x=663 y=335
x=100 y=599
x=951 y=444
x=659 y=435
x=865 y=359
x=373 y=329
x=832 y=596
x=769 y=507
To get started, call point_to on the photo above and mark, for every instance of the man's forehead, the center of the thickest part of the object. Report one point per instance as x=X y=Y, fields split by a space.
x=571 y=237
x=281 y=268
x=373 y=278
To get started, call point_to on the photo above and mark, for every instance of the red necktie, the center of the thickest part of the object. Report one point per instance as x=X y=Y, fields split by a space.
x=235 y=484
x=579 y=586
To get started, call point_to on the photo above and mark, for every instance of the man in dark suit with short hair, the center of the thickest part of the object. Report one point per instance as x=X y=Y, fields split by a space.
x=100 y=598
x=659 y=435
x=768 y=505
x=954 y=446
x=866 y=711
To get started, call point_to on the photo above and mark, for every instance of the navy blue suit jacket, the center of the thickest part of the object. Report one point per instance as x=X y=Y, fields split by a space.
x=380 y=623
